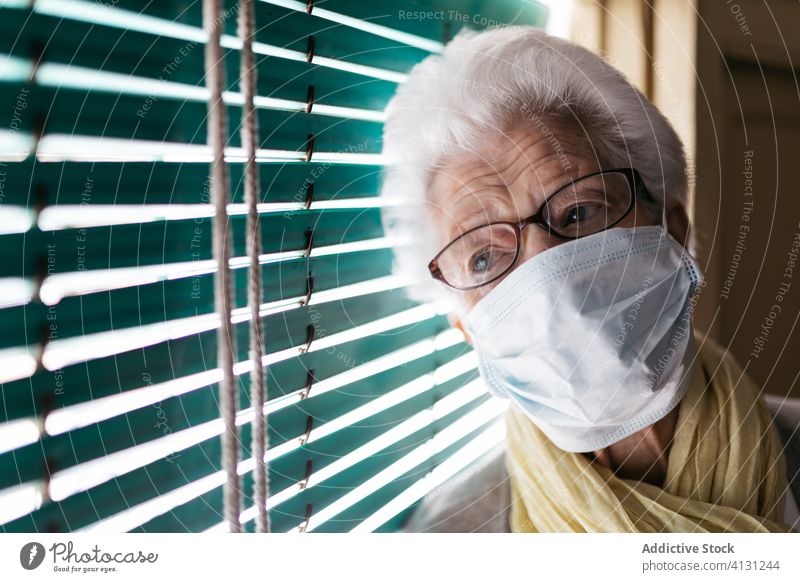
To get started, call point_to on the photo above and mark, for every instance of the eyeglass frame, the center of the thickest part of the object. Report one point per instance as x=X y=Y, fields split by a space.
x=634 y=181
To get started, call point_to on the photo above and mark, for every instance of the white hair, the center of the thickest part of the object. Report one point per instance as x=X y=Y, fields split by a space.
x=484 y=82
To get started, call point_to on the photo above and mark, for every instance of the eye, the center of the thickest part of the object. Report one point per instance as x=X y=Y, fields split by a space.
x=480 y=262
x=581 y=213
x=588 y=205
x=577 y=213
x=479 y=256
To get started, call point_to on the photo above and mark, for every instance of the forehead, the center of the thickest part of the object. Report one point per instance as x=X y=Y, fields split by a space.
x=509 y=177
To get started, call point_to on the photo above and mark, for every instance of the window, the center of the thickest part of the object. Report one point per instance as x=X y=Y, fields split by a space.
x=109 y=417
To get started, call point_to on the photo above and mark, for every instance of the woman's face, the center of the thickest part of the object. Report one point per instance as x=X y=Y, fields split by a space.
x=507 y=180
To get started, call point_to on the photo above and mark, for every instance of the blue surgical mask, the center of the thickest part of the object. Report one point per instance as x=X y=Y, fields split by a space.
x=592 y=338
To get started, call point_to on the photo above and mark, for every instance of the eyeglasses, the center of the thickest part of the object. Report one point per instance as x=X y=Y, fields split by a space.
x=585 y=206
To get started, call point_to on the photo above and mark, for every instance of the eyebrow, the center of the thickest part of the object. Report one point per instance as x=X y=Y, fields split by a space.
x=491 y=209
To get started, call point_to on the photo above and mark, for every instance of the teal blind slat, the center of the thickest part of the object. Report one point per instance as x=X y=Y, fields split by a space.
x=29 y=184
x=286 y=470
x=96 y=440
x=189 y=358
x=188 y=296
x=201 y=461
x=288 y=327
x=286 y=37
x=352 y=516
x=109 y=345
x=115 y=115
x=202 y=357
x=145 y=55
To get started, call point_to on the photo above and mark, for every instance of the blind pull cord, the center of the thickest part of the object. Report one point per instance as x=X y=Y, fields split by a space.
x=311 y=333
x=309 y=234
x=309 y=289
x=309 y=470
x=37 y=56
x=309 y=147
x=309 y=195
x=310 y=379
x=303 y=439
x=247 y=81
x=220 y=192
x=303 y=527
x=310 y=46
x=309 y=98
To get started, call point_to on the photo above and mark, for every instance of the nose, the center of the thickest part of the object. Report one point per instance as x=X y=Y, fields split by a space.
x=534 y=239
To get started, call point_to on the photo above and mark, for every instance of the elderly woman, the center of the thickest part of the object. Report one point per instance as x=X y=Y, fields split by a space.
x=545 y=199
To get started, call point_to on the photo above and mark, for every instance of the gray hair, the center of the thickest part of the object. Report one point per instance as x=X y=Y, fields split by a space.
x=485 y=81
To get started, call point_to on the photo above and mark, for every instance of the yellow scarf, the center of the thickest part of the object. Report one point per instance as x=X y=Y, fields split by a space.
x=725 y=472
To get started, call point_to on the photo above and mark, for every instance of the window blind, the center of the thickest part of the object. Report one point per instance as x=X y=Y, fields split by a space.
x=109 y=418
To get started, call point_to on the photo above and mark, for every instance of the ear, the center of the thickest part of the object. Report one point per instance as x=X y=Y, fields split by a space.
x=678 y=223
x=460 y=327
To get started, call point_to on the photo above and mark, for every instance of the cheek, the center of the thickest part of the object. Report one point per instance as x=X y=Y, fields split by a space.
x=470 y=298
